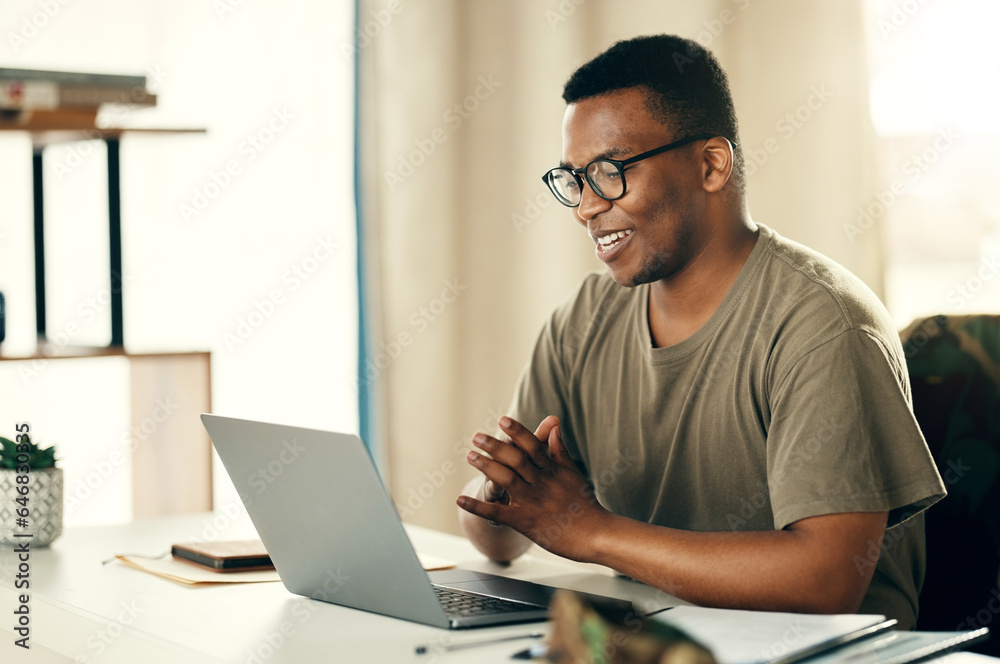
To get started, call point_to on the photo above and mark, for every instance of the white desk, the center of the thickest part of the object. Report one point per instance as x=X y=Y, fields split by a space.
x=83 y=611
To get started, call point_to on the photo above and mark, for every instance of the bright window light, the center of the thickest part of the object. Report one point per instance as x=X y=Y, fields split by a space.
x=933 y=103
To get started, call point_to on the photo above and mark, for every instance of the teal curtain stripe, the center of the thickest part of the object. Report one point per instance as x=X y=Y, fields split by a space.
x=365 y=415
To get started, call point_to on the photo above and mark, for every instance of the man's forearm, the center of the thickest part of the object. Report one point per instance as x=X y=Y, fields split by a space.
x=501 y=544
x=810 y=567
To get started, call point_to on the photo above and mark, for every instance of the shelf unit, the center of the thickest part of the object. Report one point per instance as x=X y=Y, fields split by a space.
x=172 y=469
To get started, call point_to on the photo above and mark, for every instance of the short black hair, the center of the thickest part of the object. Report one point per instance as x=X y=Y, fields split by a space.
x=688 y=88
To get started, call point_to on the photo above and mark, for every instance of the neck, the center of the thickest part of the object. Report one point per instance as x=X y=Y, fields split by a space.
x=682 y=303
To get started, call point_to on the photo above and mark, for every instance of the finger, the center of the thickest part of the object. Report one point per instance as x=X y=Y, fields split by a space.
x=500 y=474
x=545 y=428
x=526 y=441
x=557 y=450
x=488 y=511
x=509 y=455
x=493 y=492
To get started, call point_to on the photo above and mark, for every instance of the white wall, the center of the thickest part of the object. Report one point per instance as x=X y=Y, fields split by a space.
x=270 y=72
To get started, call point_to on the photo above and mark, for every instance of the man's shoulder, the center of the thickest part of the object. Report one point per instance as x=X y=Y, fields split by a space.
x=822 y=289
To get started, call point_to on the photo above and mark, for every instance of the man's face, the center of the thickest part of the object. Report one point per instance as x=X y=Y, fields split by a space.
x=661 y=207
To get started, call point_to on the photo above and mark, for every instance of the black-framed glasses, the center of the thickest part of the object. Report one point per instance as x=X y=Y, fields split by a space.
x=606 y=177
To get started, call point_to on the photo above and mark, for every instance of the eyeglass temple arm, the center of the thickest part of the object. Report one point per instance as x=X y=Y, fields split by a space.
x=670 y=146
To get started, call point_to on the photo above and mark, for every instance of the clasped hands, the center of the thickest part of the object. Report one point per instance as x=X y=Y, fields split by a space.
x=533 y=486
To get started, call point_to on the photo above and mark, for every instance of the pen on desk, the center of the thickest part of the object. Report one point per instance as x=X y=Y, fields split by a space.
x=537 y=650
x=459 y=645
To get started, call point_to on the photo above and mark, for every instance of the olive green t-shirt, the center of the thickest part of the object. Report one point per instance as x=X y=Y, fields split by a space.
x=792 y=401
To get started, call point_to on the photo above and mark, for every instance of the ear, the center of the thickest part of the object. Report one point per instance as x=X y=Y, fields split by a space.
x=717 y=164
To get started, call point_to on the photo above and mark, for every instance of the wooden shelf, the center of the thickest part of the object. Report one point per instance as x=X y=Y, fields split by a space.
x=69 y=125
x=66 y=352
x=72 y=352
x=41 y=138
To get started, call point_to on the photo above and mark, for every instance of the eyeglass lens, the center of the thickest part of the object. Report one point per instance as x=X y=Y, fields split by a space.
x=605 y=179
x=602 y=176
x=565 y=186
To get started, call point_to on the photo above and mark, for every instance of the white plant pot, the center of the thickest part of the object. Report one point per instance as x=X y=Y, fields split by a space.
x=45 y=506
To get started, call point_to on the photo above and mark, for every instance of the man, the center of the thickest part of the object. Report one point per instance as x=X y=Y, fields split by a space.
x=724 y=415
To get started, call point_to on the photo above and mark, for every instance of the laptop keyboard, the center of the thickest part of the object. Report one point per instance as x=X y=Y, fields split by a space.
x=459 y=604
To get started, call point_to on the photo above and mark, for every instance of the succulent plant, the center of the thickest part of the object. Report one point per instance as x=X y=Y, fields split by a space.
x=38 y=459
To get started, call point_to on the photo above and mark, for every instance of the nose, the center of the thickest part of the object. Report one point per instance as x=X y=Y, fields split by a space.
x=590 y=205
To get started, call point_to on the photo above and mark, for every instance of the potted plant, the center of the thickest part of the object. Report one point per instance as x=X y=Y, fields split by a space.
x=37 y=509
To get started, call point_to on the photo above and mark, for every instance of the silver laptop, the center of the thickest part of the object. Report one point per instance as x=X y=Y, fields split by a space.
x=333 y=533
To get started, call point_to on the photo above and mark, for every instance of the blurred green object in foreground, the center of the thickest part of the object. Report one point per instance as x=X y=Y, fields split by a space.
x=583 y=633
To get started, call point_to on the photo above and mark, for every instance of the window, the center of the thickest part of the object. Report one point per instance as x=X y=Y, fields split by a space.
x=934 y=105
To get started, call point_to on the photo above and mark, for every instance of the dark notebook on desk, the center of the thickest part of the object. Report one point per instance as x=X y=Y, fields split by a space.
x=333 y=533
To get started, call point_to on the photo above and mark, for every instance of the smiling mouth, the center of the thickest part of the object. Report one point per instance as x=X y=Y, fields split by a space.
x=608 y=241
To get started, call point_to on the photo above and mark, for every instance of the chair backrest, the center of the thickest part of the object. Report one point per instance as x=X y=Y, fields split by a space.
x=954 y=367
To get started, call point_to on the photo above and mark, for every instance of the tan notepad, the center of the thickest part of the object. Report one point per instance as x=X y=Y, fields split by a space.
x=191 y=575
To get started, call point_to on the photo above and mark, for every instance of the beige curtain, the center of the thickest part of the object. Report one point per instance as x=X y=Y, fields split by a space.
x=467 y=253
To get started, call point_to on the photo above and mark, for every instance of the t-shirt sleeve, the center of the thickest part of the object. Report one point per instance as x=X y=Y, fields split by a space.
x=541 y=388
x=843 y=438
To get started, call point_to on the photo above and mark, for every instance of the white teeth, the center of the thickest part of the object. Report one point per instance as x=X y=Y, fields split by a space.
x=612 y=238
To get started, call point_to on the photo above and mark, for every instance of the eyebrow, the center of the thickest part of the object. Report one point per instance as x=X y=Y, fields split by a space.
x=610 y=153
